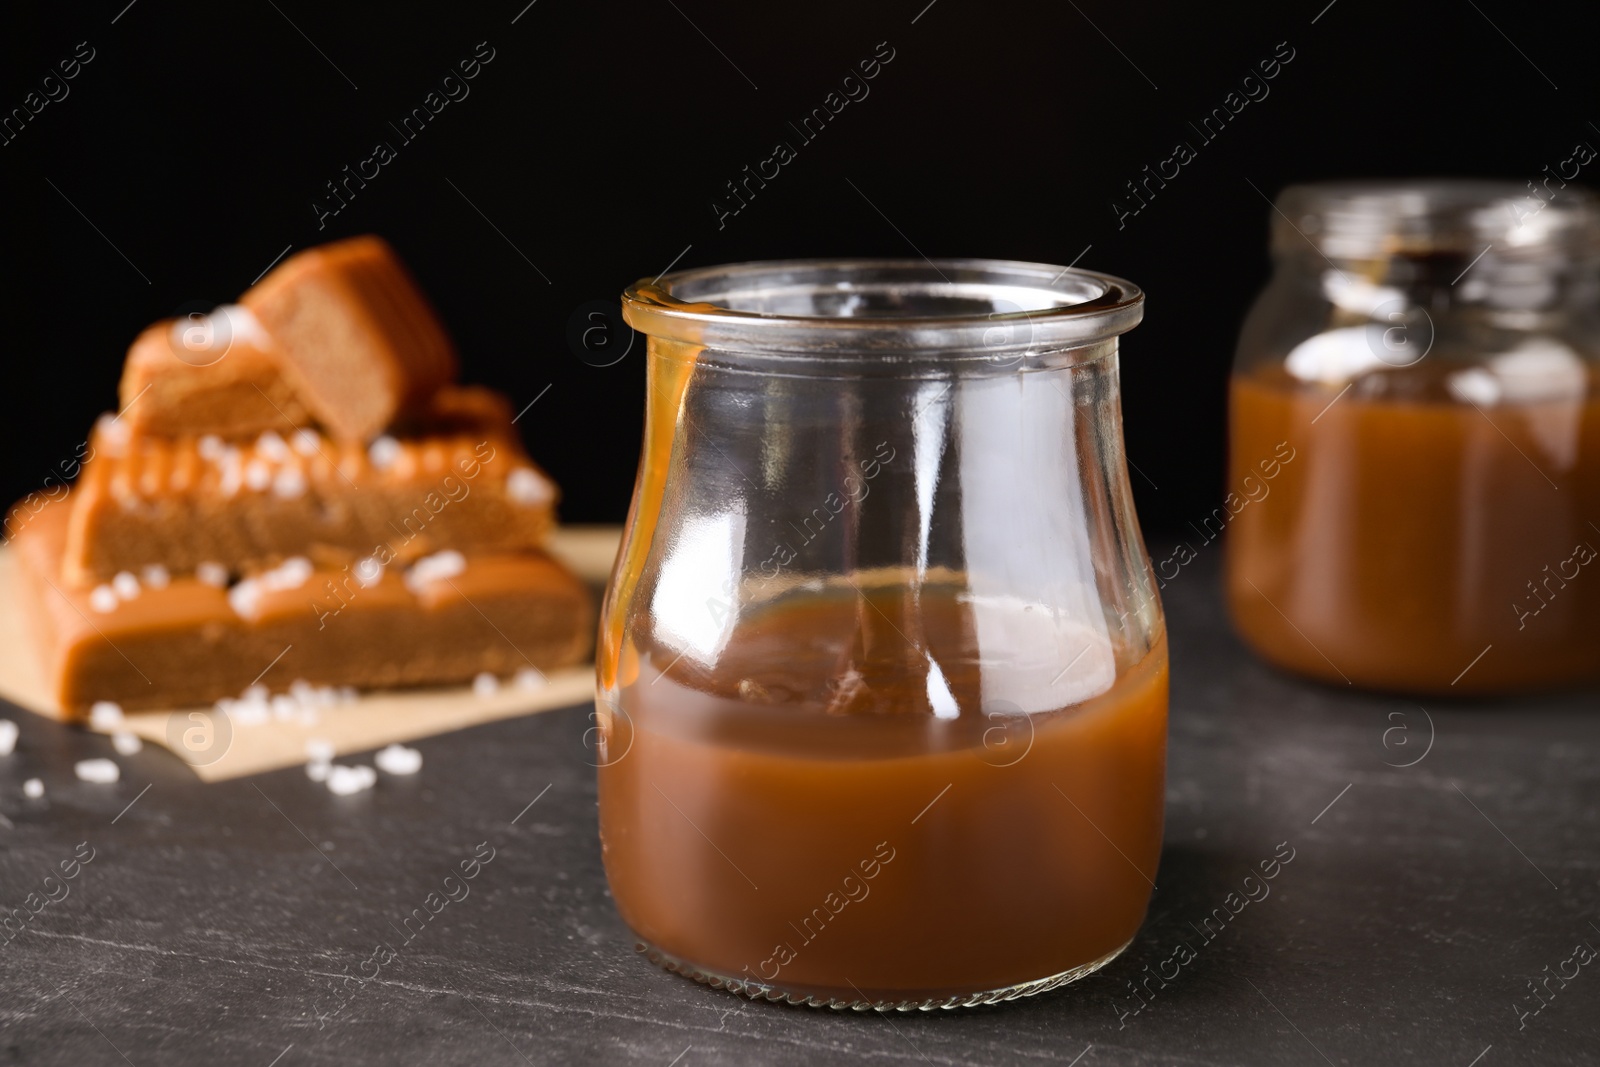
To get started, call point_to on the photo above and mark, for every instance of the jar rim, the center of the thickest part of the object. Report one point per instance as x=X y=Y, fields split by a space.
x=1379 y=218
x=848 y=308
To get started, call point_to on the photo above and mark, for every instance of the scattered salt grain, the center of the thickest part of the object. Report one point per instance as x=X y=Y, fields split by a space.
x=272 y=446
x=105 y=715
x=125 y=743
x=437 y=567
x=383 y=452
x=104 y=599
x=318 y=772
x=99 y=771
x=305 y=442
x=33 y=788
x=155 y=576
x=342 y=780
x=285 y=707
x=485 y=685
x=126 y=585
x=211 y=447
x=212 y=574
x=319 y=750
x=398 y=759
x=531 y=678
x=524 y=486
x=8 y=737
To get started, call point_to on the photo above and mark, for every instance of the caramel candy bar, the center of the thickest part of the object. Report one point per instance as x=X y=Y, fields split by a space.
x=158 y=641
x=183 y=503
x=211 y=374
x=358 y=341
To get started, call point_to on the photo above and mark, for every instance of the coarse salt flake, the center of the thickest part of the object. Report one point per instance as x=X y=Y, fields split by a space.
x=212 y=574
x=272 y=446
x=125 y=743
x=524 y=486
x=8 y=737
x=289 y=483
x=33 y=789
x=104 y=599
x=155 y=576
x=126 y=585
x=369 y=572
x=343 y=781
x=105 y=715
x=257 y=475
x=99 y=771
x=485 y=685
x=398 y=759
x=383 y=452
x=437 y=567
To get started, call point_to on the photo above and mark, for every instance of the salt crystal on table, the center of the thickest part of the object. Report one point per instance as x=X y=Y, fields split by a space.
x=125 y=743
x=531 y=678
x=342 y=780
x=318 y=772
x=485 y=685
x=33 y=788
x=125 y=585
x=104 y=599
x=8 y=737
x=319 y=750
x=155 y=576
x=101 y=771
x=105 y=714
x=398 y=759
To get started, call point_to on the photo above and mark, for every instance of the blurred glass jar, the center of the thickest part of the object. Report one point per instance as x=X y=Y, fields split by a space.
x=882 y=670
x=1415 y=439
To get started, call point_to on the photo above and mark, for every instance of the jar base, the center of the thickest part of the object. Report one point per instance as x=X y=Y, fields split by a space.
x=777 y=994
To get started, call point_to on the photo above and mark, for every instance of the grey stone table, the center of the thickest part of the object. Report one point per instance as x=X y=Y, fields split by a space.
x=236 y=923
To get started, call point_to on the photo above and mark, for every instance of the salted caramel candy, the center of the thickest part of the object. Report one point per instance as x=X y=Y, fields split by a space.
x=184 y=503
x=377 y=623
x=357 y=340
x=207 y=374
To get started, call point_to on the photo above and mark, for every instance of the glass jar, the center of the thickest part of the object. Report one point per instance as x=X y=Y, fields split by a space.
x=882 y=670
x=1415 y=439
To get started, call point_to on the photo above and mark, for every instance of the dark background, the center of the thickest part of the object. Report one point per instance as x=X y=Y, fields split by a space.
x=190 y=150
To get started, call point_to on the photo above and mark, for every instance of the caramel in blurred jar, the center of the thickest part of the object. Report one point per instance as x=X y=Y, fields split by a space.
x=1426 y=355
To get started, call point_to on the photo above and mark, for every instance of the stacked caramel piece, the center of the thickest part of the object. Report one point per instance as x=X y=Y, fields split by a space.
x=295 y=490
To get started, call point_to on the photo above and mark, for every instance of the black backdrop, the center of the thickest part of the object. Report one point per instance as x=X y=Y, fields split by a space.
x=588 y=150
